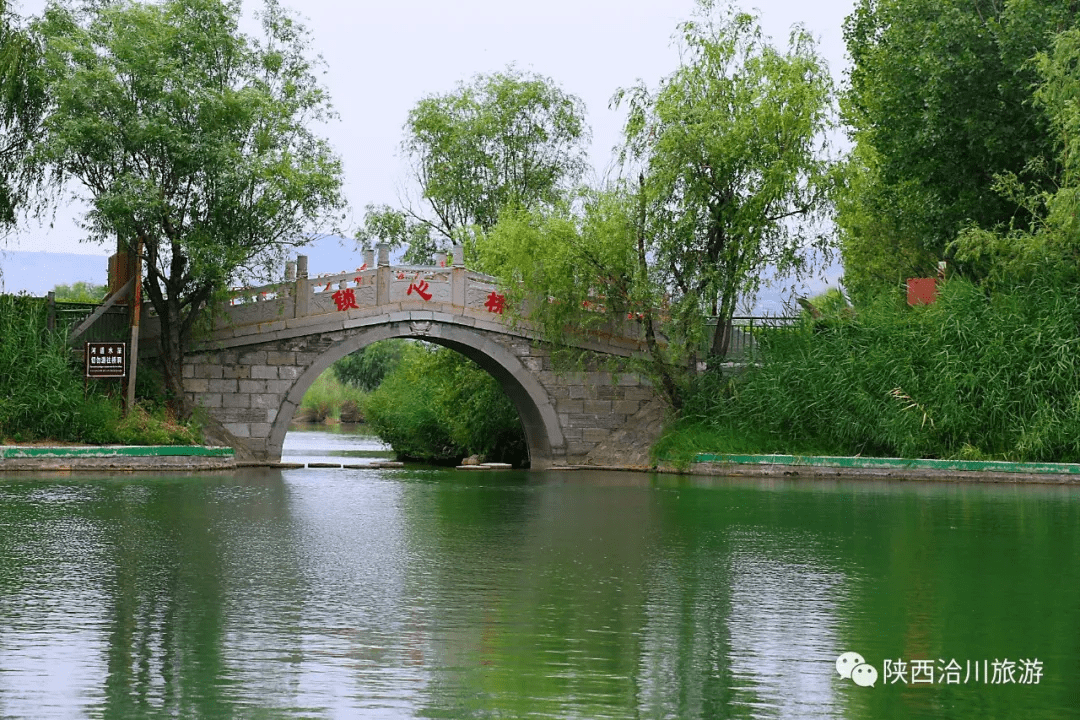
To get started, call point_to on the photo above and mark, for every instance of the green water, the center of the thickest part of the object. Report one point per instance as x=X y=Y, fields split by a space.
x=437 y=593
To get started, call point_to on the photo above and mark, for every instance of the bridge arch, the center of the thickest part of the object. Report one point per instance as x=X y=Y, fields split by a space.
x=539 y=420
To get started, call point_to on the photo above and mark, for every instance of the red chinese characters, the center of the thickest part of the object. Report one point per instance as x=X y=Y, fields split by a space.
x=345 y=299
x=495 y=303
x=421 y=289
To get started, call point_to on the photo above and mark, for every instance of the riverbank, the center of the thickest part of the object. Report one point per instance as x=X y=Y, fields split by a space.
x=68 y=458
x=188 y=458
x=875 y=467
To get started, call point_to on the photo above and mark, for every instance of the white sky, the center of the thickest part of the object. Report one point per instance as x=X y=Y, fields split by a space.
x=383 y=56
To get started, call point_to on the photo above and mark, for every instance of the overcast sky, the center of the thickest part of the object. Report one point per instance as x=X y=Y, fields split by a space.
x=381 y=57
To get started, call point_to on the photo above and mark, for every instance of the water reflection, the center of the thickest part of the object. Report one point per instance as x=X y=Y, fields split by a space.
x=435 y=593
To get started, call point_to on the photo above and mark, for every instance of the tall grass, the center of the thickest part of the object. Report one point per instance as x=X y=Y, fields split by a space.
x=41 y=394
x=329 y=398
x=974 y=375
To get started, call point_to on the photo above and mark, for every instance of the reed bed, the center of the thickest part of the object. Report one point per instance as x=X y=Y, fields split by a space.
x=975 y=375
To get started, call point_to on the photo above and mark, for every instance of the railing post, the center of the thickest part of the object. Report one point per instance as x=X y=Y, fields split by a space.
x=303 y=287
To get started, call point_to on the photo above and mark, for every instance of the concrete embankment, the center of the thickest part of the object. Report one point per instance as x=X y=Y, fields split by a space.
x=873 y=467
x=18 y=458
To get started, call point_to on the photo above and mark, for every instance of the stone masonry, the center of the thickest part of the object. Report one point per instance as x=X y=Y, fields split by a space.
x=272 y=343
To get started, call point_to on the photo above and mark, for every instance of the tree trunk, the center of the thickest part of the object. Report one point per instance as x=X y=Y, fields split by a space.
x=172 y=347
x=660 y=366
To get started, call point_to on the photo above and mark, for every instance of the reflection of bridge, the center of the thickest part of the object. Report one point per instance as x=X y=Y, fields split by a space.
x=272 y=342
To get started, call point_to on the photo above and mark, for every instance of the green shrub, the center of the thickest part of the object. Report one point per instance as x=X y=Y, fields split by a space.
x=439 y=406
x=972 y=375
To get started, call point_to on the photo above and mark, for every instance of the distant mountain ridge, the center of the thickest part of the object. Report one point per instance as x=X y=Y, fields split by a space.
x=36 y=273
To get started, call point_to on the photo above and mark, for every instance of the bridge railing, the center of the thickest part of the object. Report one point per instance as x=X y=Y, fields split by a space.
x=746 y=330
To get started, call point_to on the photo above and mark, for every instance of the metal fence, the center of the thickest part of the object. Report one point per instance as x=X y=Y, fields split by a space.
x=112 y=326
x=746 y=330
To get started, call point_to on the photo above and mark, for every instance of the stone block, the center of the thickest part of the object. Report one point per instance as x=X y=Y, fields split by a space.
x=533 y=364
x=642 y=393
x=236 y=400
x=602 y=407
x=558 y=391
x=196 y=385
x=253 y=358
x=252 y=386
x=626 y=407
x=223 y=386
x=209 y=400
x=236 y=371
x=260 y=430
x=289 y=372
x=280 y=358
x=629 y=380
x=573 y=434
x=241 y=415
x=264 y=372
x=569 y=406
x=265 y=400
x=188 y=370
x=278 y=387
x=208 y=370
x=240 y=430
x=595 y=435
x=588 y=420
x=579 y=448
x=578 y=392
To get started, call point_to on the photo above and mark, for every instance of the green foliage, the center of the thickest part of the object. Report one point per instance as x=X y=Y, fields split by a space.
x=43 y=396
x=439 y=406
x=21 y=104
x=154 y=426
x=42 y=393
x=972 y=375
x=733 y=150
x=366 y=368
x=505 y=139
x=398 y=229
x=939 y=102
x=330 y=398
x=82 y=292
x=1048 y=247
x=190 y=140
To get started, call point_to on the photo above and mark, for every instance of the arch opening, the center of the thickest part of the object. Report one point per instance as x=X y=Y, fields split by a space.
x=543 y=433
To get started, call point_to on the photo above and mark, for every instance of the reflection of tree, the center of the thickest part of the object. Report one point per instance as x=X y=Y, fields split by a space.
x=177 y=551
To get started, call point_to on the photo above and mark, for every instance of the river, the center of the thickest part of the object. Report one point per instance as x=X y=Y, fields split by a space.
x=437 y=593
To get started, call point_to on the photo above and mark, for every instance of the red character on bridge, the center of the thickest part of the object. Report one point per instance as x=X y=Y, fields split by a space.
x=420 y=288
x=345 y=299
x=495 y=302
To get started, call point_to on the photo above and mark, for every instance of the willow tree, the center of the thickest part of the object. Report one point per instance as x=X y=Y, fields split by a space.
x=21 y=104
x=188 y=140
x=731 y=148
x=505 y=140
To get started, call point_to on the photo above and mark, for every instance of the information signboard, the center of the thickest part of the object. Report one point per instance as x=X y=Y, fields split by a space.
x=106 y=359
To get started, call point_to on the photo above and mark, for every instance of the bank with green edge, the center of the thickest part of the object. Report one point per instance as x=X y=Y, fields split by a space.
x=31 y=458
x=877 y=467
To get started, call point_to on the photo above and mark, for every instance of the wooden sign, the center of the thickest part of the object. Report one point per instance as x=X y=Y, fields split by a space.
x=106 y=359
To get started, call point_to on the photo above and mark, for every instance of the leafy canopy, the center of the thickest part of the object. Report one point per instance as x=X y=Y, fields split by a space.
x=939 y=102
x=732 y=151
x=505 y=139
x=188 y=139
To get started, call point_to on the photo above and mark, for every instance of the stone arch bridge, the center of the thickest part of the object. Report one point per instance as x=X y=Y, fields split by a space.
x=270 y=344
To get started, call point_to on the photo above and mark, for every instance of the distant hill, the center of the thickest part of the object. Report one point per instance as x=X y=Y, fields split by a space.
x=36 y=273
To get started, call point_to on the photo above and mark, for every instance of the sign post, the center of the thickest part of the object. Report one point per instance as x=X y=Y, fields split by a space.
x=105 y=360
